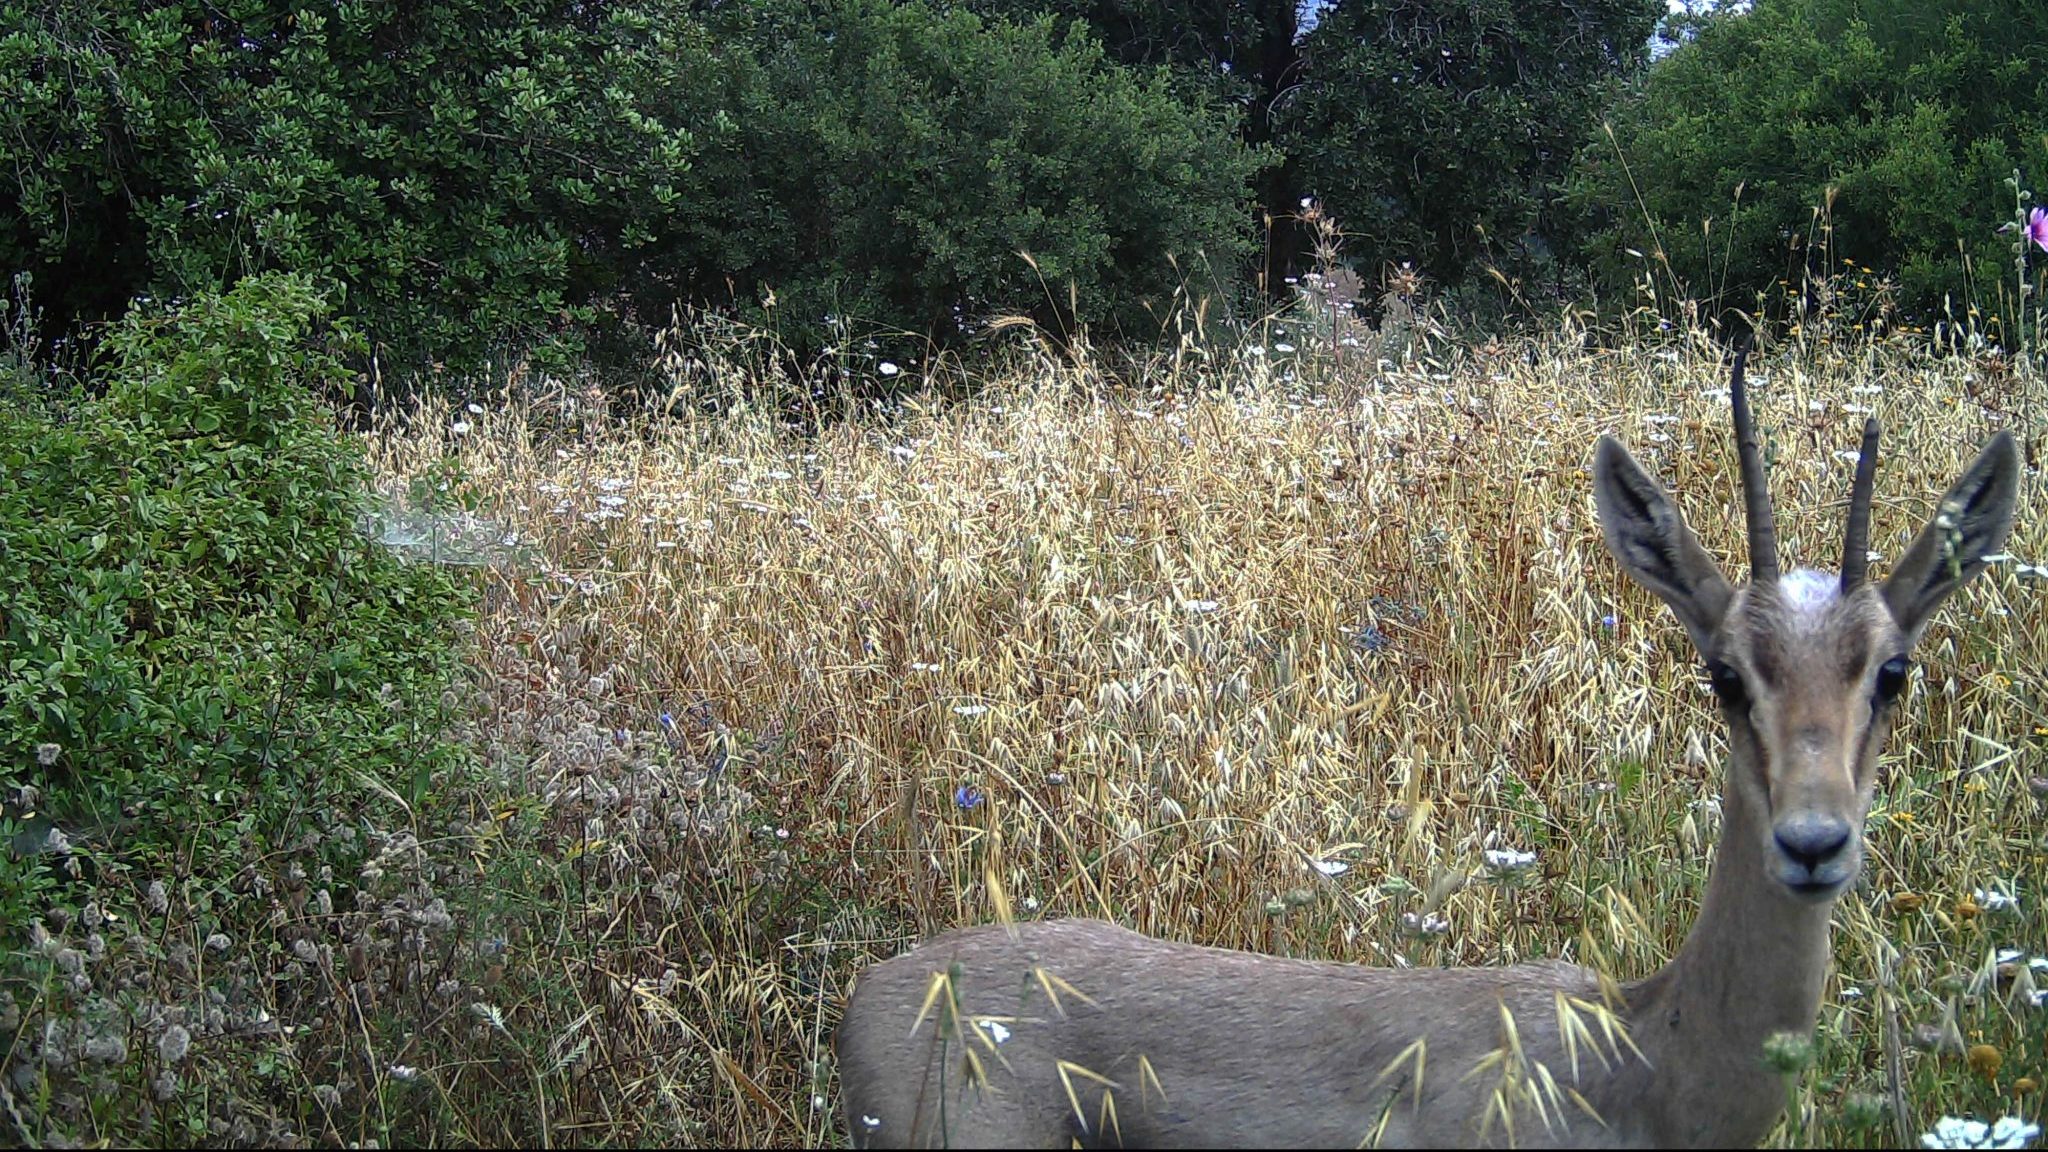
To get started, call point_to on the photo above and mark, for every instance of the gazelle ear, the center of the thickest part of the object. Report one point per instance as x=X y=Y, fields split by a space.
x=1971 y=523
x=1654 y=545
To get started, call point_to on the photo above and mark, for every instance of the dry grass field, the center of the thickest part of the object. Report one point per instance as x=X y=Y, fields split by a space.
x=1262 y=651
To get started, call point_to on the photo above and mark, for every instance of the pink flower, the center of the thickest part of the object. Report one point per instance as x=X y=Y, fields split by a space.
x=2037 y=227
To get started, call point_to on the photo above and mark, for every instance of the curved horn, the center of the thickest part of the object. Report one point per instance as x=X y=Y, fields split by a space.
x=1856 y=542
x=1756 y=497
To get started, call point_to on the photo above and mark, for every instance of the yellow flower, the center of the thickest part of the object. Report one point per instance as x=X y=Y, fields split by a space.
x=1984 y=1060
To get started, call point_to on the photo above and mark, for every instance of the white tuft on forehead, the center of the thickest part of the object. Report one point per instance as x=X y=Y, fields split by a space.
x=1808 y=594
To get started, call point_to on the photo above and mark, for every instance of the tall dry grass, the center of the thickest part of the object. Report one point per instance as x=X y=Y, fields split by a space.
x=1263 y=656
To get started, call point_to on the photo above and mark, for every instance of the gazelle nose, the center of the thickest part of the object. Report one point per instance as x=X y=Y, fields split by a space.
x=1810 y=839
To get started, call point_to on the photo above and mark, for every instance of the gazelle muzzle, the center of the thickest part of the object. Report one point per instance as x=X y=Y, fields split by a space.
x=1817 y=854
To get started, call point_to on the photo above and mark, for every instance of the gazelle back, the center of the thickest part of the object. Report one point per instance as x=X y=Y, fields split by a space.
x=1050 y=1033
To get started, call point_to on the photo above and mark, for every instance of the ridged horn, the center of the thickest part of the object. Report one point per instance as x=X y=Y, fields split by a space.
x=1856 y=541
x=1756 y=496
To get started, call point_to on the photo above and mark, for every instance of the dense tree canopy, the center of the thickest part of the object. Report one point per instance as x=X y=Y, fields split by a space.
x=464 y=175
x=1439 y=130
x=1436 y=131
x=903 y=159
x=1878 y=131
x=480 y=173
x=468 y=170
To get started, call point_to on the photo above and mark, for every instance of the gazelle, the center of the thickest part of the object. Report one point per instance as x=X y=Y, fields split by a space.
x=1051 y=1033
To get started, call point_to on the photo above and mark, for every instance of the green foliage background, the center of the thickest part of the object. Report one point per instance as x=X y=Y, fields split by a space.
x=474 y=175
x=1437 y=131
x=469 y=172
x=901 y=157
x=1880 y=131
x=463 y=177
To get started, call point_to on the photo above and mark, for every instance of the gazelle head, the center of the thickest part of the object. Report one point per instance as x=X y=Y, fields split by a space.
x=1808 y=666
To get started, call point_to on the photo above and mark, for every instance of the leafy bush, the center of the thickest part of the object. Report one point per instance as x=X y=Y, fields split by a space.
x=205 y=660
x=900 y=158
x=1879 y=131
x=471 y=171
x=479 y=174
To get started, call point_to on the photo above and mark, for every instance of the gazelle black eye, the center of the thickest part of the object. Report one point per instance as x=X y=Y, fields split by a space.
x=1727 y=684
x=1891 y=679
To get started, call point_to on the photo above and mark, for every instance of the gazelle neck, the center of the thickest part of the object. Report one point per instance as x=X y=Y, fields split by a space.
x=1753 y=965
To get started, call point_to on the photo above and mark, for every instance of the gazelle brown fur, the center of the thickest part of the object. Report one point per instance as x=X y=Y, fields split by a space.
x=1045 y=1034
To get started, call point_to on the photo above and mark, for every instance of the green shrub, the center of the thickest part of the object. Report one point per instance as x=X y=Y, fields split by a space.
x=480 y=175
x=1875 y=131
x=473 y=171
x=205 y=660
x=900 y=158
